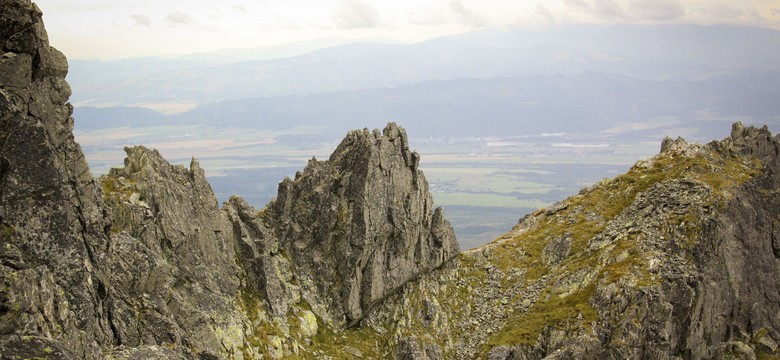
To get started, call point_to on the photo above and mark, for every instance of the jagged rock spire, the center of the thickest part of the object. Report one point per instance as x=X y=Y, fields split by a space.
x=361 y=224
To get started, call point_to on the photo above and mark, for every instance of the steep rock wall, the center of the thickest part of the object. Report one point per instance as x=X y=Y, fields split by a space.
x=173 y=264
x=342 y=236
x=54 y=229
x=737 y=298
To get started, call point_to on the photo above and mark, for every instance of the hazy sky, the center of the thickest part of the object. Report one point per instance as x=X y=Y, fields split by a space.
x=86 y=29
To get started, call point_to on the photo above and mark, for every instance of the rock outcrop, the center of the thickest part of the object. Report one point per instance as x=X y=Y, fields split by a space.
x=363 y=219
x=343 y=235
x=55 y=283
x=173 y=265
x=675 y=259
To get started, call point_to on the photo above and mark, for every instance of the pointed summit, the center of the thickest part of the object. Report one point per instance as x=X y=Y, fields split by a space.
x=363 y=219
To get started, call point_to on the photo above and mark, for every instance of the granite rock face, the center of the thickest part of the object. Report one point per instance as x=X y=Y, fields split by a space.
x=172 y=264
x=55 y=231
x=364 y=219
x=739 y=261
x=340 y=237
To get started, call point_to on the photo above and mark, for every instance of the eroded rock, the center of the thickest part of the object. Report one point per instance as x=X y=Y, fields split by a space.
x=53 y=226
x=364 y=219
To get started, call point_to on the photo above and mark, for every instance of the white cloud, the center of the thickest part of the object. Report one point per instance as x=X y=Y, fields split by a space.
x=82 y=27
x=656 y=10
x=714 y=13
x=719 y=10
x=455 y=12
x=279 y=24
x=426 y=16
x=466 y=16
x=142 y=20
x=178 y=18
x=626 y=10
x=543 y=14
x=597 y=9
x=355 y=14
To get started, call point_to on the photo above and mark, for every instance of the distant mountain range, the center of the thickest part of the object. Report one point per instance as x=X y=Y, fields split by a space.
x=491 y=82
x=586 y=102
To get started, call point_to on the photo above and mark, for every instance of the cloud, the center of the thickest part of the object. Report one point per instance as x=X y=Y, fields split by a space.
x=656 y=10
x=429 y=16
x=466 y=16
x=599 y=9
x=355 y=14
x=544 y=14
x=280 y=24
x=719 y=10
x=178 y=18
x=627 y=10
x=240 y=8
x=453 y=12
x=142 y=20
x=720 y=13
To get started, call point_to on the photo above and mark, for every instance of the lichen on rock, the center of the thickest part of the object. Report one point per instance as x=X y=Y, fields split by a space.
x=55 y=281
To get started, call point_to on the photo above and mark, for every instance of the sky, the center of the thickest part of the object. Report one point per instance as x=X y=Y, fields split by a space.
x=107 y=30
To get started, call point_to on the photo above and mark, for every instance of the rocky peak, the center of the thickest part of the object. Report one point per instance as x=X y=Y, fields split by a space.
x=173 y=261
x=25 y=45
x=668 y=144
x=171 y=200
x=752 y=141
x=388 y=145
x=364 y=219
x=342 y=236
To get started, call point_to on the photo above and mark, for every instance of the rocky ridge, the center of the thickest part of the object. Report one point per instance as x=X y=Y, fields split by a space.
x=142 y=263
x=675 y=259
x=678 y=258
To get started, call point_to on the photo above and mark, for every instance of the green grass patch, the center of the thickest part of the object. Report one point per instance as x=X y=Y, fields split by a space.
x=604 y=202
x=550 y=310
x=336 y=344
